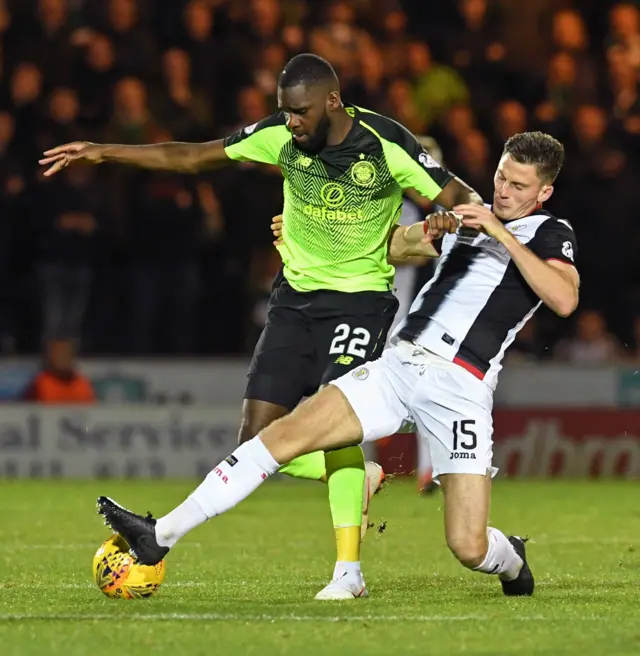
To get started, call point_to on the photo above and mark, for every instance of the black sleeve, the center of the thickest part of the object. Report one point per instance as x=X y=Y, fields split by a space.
x=555 y=240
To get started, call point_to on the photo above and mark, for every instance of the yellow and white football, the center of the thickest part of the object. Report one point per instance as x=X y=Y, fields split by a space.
x=118 y=575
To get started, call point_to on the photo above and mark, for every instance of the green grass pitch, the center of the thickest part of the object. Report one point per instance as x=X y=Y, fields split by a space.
x=244 y=583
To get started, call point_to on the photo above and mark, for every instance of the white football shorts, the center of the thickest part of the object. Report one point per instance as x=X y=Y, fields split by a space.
x=449 y=406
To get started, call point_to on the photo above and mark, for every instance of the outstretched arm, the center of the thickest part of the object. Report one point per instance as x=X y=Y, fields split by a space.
x=171 y=156
x=259 y=143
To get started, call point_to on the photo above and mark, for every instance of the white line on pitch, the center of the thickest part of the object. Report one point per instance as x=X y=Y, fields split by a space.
x=222 y=617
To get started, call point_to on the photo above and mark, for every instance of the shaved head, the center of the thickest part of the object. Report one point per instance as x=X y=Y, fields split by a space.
x=308 y=70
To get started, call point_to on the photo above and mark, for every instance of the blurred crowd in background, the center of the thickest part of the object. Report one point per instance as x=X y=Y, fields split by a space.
x=150 y=263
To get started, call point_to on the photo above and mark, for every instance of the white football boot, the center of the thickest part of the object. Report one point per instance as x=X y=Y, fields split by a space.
x=343 y=587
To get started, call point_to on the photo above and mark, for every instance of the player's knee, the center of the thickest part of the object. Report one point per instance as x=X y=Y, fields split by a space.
x=470 y=549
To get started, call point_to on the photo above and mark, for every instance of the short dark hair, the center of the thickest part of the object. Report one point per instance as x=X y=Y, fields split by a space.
x=540 y=149
x=307 y=69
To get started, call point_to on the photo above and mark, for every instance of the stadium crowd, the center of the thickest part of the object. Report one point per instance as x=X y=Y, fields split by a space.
x=143 y=262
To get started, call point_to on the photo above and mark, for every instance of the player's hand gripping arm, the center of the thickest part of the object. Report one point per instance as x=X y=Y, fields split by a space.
x=417 y=239
x=555 y=281
x=415 y=169
x=171 y=156
x=409 y=241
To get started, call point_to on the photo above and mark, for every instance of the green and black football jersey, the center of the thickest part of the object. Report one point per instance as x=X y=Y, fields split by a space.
x=341 y=203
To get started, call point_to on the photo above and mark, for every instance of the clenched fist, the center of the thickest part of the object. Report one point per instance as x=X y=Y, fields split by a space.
x=433 y=227
x=442 y=223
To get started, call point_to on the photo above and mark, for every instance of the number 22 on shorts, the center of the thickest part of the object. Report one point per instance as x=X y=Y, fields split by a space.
x=360 y=337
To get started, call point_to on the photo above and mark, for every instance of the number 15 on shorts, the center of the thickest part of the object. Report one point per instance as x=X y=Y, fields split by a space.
x=464 y=437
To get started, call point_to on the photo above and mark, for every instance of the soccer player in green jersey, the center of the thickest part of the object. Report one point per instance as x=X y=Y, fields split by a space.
x=345 y=169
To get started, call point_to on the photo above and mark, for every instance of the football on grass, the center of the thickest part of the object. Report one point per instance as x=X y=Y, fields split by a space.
x=118 y=575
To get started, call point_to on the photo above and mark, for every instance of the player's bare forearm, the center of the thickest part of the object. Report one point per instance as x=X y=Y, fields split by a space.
x=417 y=240
x=404 y=244
x=171 y=156
x=457 y=192
x=556 y=285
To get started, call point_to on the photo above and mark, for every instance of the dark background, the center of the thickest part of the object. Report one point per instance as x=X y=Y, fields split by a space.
x=182 y=265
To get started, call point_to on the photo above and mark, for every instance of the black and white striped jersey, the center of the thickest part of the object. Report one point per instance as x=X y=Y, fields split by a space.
x=477 y=300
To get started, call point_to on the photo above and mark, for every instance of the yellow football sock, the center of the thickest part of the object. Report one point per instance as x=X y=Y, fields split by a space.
x=344 y=472
x=348 y=543
x=345 y=477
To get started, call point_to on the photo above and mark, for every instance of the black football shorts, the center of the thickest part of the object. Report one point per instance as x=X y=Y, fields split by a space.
x=311 y=338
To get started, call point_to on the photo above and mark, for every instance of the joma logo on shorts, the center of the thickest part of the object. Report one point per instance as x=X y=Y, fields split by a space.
x=462 y=456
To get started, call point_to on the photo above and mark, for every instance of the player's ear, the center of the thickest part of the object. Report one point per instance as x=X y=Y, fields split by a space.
x=333 y=101
x=545 y=193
